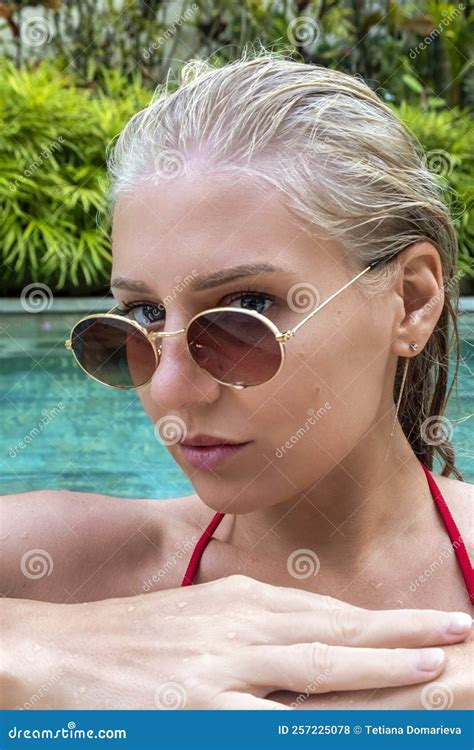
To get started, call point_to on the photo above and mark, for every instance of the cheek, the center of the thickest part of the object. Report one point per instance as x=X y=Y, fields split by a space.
x=322 y=402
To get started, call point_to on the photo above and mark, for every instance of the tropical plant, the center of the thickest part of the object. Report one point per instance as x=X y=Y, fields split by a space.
x=53 y=136
x=447 y=138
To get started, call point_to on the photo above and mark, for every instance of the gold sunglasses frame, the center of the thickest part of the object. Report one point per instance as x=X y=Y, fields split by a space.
x=281 y=336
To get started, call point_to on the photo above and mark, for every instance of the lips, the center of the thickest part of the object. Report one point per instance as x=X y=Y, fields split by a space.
x=206 y=456
x=201 y=440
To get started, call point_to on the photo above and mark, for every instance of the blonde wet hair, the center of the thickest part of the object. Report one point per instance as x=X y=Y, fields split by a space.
x=347 y=167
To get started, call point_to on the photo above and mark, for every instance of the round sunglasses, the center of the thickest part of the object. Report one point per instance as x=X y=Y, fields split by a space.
x=237 y=347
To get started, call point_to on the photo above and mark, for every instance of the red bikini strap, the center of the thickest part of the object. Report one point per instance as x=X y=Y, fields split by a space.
x=452 y=529
x=199 y=549
x=454 y=534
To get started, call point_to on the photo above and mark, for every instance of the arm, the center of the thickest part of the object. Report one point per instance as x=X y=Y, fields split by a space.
x=95 y=549
x=122 y=653
x=30 y=674
x=69 y=547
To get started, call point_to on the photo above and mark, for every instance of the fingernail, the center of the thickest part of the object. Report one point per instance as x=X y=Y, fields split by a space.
x=430 y=659
x=460 y=622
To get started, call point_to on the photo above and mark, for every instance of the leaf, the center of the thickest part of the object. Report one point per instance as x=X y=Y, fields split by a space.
x=412 y=83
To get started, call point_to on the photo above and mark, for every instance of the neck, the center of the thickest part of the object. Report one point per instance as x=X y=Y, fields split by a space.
x=361 y=504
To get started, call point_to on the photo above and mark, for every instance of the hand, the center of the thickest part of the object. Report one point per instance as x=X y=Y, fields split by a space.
x=453 y=689
x=226 y=644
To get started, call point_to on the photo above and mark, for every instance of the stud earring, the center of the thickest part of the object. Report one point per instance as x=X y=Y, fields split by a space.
x=414 y=346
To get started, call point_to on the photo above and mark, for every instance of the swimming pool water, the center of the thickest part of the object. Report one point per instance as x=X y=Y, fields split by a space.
x=94 y=439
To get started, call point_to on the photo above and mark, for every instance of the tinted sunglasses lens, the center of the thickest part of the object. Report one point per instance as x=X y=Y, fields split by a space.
x=114 y=352
x=235 y=347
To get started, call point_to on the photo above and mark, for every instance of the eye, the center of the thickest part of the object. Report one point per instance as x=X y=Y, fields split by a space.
x=256 y=301
x=144 y=313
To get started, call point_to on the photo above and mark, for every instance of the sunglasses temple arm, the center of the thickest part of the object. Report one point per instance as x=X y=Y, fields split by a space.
x=320 y=307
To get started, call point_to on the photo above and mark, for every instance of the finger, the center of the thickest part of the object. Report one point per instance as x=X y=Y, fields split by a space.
x=408 y=628
x=245 y=701
x=320 y=668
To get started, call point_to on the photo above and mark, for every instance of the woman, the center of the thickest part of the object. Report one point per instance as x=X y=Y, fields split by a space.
x=284 y=278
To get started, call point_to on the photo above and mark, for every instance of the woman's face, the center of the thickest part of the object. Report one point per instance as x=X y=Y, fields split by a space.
x=330 y=392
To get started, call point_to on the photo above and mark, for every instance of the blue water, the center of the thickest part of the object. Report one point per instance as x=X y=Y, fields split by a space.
x=95 y=439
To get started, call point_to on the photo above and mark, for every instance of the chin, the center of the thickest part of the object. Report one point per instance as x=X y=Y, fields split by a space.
x=240 y=496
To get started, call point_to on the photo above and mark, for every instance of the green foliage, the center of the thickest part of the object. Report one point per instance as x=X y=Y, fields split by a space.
x=447 y=138
x=53 y=136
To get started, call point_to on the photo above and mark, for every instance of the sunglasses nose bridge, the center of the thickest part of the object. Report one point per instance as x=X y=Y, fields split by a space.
x=156 y=336
x=164 y=334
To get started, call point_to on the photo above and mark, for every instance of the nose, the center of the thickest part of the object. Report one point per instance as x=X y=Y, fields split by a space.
x=178 y=381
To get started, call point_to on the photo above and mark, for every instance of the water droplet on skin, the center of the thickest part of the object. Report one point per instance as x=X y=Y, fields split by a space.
x=130 y=608
x=186 y=658
x=37 y=647
x=231 y=634
x=182 y=604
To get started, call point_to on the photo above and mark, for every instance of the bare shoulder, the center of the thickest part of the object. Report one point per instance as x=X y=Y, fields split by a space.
x=183 y=520
x=459 y=497
x=64 y=546
x=190 y=509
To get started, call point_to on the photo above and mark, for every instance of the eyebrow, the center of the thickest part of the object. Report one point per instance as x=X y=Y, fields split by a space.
x=206 y=282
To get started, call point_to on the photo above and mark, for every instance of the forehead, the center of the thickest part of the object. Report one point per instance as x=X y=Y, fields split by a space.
x=204 y=223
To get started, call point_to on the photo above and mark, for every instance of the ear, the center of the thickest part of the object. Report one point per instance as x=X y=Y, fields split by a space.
x=421 y=290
